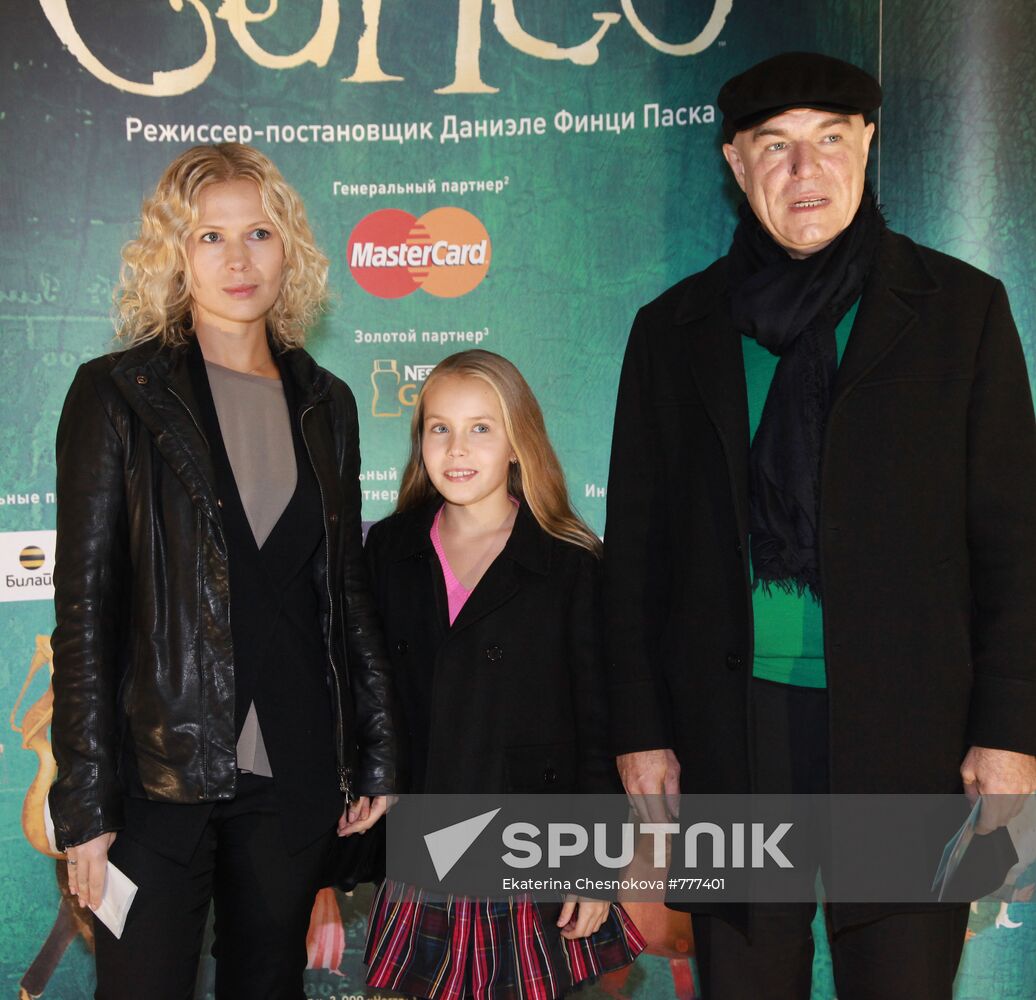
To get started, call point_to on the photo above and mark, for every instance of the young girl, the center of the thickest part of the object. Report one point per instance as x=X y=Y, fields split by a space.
x=487 y=583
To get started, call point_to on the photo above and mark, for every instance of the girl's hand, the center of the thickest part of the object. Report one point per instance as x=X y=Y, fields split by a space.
x=87 y=864
x=362 y=813
x=582 y=917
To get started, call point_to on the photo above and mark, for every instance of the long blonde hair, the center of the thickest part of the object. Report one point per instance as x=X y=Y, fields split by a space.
x=536 y=478
x=153 y=298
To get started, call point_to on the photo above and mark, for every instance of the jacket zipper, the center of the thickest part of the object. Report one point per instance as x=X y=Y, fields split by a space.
x=194 y=420
x=343 y=776
x=219 y=526
x=219 y=530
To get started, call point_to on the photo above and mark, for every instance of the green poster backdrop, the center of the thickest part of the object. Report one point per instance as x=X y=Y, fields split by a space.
x=581 y=137
x=957 y=172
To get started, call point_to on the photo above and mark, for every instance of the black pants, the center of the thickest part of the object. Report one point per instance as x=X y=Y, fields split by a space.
x=263 y=897
x=905 y=955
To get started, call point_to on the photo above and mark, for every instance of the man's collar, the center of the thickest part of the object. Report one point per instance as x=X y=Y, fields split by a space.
x=702 y=292
x=898 y=264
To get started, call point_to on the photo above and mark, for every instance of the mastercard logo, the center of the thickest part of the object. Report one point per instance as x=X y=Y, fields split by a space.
x=446 y=252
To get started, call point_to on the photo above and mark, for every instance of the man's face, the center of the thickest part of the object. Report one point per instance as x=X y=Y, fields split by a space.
x=803 y=173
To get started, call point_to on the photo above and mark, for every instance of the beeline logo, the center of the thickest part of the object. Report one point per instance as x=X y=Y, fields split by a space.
x=392 y=253
x=32 y=557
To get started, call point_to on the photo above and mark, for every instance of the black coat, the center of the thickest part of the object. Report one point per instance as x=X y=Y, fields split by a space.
x=511 y=698
x=927 y=533
x=143 y=648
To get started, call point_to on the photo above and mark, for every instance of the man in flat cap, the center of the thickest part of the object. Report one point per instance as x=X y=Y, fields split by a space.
x=821 y=537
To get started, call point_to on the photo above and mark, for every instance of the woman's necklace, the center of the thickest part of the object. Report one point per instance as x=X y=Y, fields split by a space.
x=258 y=369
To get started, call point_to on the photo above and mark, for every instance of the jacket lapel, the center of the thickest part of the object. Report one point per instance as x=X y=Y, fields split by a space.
x=410 y=543
x=497 y=586
x=528 y=547
x=713 y=346
x=718 y=369
x=156 y=383
x=887 y=311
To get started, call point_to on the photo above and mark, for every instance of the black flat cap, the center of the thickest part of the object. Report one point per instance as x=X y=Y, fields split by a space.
x=795 y=80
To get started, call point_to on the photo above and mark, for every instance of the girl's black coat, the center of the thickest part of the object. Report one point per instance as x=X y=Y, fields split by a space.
x=511 y=697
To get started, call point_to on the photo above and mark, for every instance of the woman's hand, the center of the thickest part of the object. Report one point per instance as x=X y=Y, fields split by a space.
x=87 y=864
x=581 y=917
x=362 y=813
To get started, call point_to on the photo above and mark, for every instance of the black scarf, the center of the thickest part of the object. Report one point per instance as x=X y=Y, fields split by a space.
x=791 y=307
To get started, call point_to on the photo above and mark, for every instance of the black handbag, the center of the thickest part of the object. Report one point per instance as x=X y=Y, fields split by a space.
x=358 y=858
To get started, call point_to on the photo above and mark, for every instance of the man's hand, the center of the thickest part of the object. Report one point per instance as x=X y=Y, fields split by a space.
x=1003 y=778
x=362 y=813
x=87 y=864
x=580 y=917
x=647 y=776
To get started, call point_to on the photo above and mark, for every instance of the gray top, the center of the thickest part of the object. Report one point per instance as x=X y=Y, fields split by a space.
x=256 y=429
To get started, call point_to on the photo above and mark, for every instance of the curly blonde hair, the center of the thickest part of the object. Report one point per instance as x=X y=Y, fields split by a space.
x=153 y=298
x=536 y=478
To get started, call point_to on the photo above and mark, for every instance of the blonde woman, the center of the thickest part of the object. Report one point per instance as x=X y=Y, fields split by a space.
x=221 y=696
x=487 y=583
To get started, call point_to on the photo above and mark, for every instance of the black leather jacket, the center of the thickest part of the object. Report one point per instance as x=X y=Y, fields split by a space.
x=142 y=648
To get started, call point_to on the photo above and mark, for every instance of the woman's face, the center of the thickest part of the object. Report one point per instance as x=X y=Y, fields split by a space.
x=463 y=442
x=235 y=257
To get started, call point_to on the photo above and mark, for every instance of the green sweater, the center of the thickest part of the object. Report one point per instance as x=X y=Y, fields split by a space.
x=789 y=628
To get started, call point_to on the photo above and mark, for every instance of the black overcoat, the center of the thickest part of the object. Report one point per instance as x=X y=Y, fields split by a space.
x=927 y=533
x=512 y=697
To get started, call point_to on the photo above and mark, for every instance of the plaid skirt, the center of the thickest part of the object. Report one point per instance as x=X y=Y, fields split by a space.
x=455 y=947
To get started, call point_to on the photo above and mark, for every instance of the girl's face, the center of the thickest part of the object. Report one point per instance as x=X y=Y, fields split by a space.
x=463 y=442
x=236 y=257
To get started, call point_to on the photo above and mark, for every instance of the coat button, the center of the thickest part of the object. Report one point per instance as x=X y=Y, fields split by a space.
x=734 y=662
x=549 y=776
x=494 y=653
x=141 y=380
x=333 y=517
x=739 y=550
x=219 y=503
x=402 y=646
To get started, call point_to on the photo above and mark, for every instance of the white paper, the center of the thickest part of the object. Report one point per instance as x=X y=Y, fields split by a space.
x=116 y=900
x=48 y=826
